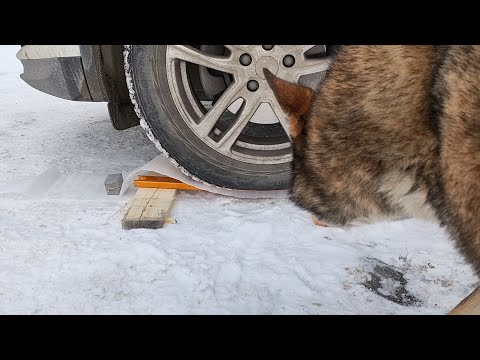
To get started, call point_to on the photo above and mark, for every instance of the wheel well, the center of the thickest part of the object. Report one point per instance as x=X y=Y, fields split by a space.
x=120 y=107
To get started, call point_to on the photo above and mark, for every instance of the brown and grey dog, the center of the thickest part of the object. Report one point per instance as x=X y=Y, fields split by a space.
x=393 y=132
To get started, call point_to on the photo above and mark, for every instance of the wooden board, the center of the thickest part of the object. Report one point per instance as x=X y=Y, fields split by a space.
x=469 y=306
x=162 y=182
x=149 y=208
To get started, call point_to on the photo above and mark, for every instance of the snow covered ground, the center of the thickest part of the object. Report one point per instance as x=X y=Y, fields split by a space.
x=63 y=251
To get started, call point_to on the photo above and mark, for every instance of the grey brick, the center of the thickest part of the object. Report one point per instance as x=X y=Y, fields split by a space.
x=113 y=184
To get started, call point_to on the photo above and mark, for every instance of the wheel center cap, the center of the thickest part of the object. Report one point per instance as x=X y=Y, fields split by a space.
x=266 y=62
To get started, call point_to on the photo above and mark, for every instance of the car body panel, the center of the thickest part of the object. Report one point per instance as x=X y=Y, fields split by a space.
x=29 y=52
x=71 y=72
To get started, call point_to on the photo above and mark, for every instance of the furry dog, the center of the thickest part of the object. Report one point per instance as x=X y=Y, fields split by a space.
x=393 y=132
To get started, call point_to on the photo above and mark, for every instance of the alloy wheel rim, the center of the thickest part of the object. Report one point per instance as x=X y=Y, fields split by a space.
x=228 y=123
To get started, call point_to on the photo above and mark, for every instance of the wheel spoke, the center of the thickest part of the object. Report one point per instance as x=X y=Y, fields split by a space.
x=195 y=56
x=229 y=96
x=290 y=49
x=281 y=116
x=241 y=48
x=246 y=112
x=305 y=48
x=306 y=67
x=296 y=50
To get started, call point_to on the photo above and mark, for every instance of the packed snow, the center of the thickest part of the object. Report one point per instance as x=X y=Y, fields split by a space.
x=63 y=251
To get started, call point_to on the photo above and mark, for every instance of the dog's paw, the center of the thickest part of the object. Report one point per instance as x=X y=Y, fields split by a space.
x=317 y=222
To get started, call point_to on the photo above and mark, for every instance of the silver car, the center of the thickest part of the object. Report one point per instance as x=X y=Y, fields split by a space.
x=207 y=107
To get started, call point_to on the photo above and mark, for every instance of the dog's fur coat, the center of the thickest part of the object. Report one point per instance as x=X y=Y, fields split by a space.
x=393 y=132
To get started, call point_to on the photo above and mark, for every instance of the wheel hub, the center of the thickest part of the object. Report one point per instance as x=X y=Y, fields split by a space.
x=267 y=62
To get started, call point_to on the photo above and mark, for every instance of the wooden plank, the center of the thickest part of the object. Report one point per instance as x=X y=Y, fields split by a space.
x=149 y=209
x=131 y=220
x=162 y=182
x=469 y=306
x=124 y=210
x=158 y=208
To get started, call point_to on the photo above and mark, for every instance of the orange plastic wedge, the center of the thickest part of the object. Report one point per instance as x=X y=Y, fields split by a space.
x=162 y=182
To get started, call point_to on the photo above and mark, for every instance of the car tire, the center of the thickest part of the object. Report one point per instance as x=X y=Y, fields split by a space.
x=152 y=94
